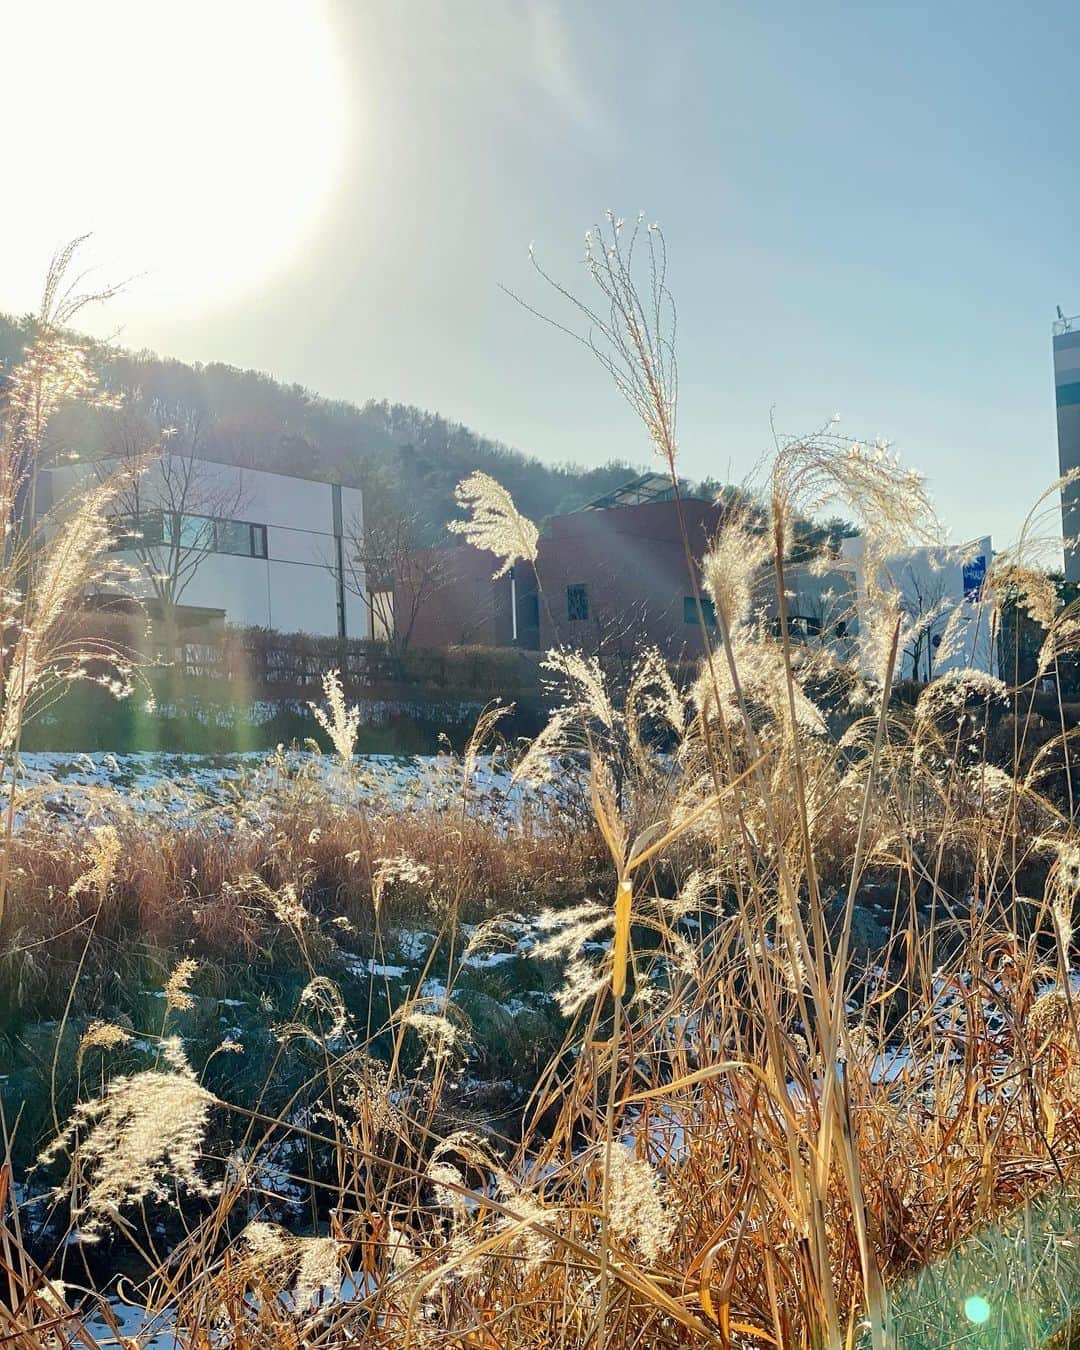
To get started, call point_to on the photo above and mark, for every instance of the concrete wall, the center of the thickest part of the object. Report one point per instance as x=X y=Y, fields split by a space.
x=295 y=588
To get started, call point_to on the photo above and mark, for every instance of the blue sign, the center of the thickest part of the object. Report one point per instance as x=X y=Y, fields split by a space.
x=974 y=576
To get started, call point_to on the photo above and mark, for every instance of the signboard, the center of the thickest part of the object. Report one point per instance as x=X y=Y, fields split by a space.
x=974 y=576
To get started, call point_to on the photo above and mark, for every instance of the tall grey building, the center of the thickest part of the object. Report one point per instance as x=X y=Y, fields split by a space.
x=1067 y=389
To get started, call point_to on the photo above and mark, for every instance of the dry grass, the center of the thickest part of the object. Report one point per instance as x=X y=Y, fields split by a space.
x=757 y=1132
x=193 y=889
x=692 y=1151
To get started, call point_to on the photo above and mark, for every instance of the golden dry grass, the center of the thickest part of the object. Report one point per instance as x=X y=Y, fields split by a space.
x=761 y=1129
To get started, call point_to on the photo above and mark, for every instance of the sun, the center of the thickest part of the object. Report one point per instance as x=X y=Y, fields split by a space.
x=198 y=143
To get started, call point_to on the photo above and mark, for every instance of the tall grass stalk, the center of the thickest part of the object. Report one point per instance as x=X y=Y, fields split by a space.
x=51 y=560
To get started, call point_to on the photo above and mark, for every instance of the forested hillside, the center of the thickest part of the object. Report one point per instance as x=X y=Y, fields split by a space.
x=246 y=417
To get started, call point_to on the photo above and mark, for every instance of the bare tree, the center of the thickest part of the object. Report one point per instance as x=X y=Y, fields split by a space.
x=184 y=508
x=924 y=601
x=618 y=639
x=385 y=565
x=394 y=577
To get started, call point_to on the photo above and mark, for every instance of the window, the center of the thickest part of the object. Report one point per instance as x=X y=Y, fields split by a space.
x=152 y=527
x=189 y=531
x=690 y=610
x=131 y=531
x=241 y=538
x=530 y=610
x=232 y=536
x=800 y=627
x=577 y=603
x=123 y=531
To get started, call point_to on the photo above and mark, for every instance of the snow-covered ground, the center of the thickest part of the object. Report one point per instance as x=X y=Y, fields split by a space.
x=136 y=1327
x=204 y=787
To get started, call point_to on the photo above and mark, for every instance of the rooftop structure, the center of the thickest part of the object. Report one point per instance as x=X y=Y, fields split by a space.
x=649 y=487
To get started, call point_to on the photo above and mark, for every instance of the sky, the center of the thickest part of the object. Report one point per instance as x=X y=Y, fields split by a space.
x=870 y=210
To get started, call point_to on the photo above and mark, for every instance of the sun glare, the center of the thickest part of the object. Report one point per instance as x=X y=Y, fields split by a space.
x=199 y=144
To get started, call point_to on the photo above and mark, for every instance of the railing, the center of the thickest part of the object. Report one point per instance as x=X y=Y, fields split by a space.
x=1066 y=325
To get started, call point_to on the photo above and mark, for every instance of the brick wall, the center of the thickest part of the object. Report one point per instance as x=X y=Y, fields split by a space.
x=630 y=560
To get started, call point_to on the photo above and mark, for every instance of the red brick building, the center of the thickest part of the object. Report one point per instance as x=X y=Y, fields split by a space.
x=463 y=604
x=612 y=577
x=616 y=577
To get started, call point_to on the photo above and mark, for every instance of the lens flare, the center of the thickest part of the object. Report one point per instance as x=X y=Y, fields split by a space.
x=976 y=1309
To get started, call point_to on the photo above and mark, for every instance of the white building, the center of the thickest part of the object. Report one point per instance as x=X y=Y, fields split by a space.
x=946 y=621
x=267 y=549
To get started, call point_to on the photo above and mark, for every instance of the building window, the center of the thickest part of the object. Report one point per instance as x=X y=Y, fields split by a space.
x=577 y=603
x=801 y=627
x=232 y=536
x=153 y=529
x=131 y=531
x=189 y=531
x=690 y=610
x=530 y=611
x=241 y=538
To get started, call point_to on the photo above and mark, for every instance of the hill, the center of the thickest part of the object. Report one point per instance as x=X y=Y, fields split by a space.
x=246 y=417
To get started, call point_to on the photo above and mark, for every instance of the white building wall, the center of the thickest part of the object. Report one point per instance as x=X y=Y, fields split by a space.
x=239 y=586
x=296 y=503
x=357 y=611
x=940 y=589
x=352 y=510
x=295 y=589
x=300 y=546
x=303 y=599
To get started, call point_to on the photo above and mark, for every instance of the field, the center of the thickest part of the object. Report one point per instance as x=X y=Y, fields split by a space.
x=359 y=1021
x=740 y=1013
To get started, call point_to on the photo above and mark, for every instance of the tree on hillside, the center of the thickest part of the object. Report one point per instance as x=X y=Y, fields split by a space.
x=254 y=420
x=15 y=338
x=814 y=538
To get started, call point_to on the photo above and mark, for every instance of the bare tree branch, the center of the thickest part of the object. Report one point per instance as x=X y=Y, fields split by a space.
x=394 y=577
x=172 y=515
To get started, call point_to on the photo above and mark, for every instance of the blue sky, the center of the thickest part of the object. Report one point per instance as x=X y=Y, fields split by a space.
x=870 y=210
